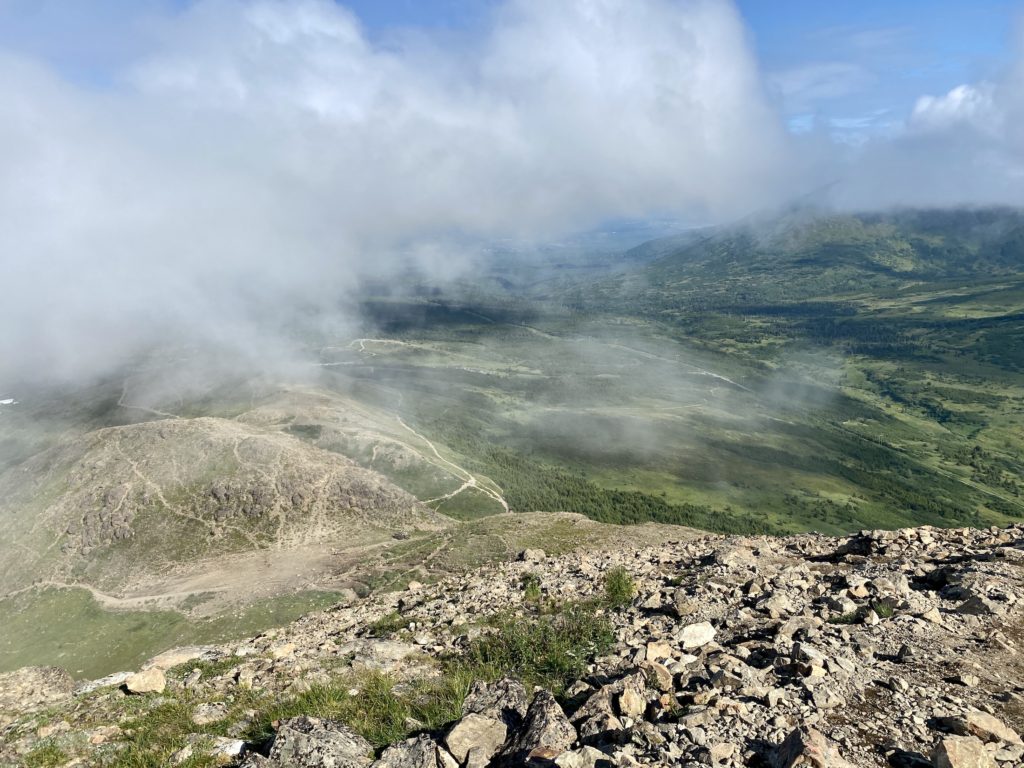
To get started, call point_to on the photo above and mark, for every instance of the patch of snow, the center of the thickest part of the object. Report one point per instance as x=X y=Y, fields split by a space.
x=9 y=401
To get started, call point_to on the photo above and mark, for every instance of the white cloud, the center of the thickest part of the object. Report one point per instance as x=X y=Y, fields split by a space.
x=965 y=147
x=247 y=156
x=262 y=153
x=973 y=105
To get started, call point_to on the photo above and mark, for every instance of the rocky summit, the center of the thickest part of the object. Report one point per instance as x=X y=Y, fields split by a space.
x=900 y=648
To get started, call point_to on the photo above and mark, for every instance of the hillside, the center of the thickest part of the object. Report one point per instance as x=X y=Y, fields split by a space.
x=804 y=372
x=707 y=650
x=125 y=507
x=714 y=380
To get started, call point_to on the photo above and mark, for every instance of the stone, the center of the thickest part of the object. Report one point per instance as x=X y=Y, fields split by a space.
x=419 y=752
x=731 y=555
x=308 y=742
x=659 y=651
x=777 y=606
x=980 y=606
x=204 y=714
x=546 y=730
x=219 y=750
x=585 y=757
x=32 y=688
x=445 y=760
x=807 y=747
x=532 y=555
x=631 y=703
x=178 y=656
x=483 y=733
x=503 y=700
x=682 y=605
x=103 y=734
x=658 y=675
x=696 y=635
x=150 y=680
x=721 y=752
x=116 y=679
x=282 y=651
x=962 y=752
x=988 y=728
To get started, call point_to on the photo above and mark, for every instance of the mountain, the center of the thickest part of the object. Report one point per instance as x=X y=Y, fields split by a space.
x=802 y=373
x=806 y=254
x=124 y=508
x=878 y=649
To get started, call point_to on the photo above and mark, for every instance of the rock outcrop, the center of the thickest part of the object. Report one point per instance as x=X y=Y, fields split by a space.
x=886 y=648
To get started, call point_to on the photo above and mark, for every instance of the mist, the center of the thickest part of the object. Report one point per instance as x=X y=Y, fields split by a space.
x=248 y=164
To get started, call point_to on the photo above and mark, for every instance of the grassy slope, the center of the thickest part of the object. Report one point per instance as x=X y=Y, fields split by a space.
x=66 y=627
x=880 y=361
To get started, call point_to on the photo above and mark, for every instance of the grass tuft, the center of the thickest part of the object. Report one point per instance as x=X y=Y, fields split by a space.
x=531 y=587
x=388 y=625
x=46 y=756
x=619 y=588
x=373 y=705
x=551 y=650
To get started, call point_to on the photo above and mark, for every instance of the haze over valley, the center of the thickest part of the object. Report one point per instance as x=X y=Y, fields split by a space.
x=304 y=302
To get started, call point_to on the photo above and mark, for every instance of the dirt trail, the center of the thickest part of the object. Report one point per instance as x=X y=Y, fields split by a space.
x=121 y=402
x=468 y=478
x=114 y=603
x=695 y=368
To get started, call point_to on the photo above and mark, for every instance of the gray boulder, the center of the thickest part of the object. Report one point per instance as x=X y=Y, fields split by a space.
x=308 y=742
x=546 y=732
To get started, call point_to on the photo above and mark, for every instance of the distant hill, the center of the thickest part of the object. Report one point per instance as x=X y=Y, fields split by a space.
x=123 y=506
x=804 y=254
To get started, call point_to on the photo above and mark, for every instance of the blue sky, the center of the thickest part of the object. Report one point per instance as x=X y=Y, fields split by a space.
x=851 y=67
x=868 y=61
x=855 y=66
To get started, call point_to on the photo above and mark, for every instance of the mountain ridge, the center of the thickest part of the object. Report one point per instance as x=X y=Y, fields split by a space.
x=702 y=649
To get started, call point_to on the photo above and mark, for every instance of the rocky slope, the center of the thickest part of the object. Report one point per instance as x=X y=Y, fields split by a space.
x=123 y=506
x=885 y=648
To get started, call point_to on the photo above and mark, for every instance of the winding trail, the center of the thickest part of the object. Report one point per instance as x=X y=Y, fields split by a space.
x=121 y=402
x=468 y=478
x=695 y=368
x=112 y=602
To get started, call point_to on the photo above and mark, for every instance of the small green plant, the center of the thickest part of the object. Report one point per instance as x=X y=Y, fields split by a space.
x=550 y=650
x=373 y=705
x=208 y=668
x=156 y=735
x=852 y=617
x=388 y=625
x=46 y=756
x=885 y=608
x=531 y=587
x=619 y=588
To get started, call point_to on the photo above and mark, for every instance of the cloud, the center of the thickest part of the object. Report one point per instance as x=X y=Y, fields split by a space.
x=240 y=159
x=972 y=105
x=963 y=147
x=261 y=154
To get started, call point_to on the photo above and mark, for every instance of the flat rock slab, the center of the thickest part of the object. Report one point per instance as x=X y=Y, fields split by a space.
x=308 y=742
x=962 y=752
x=147 y=681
